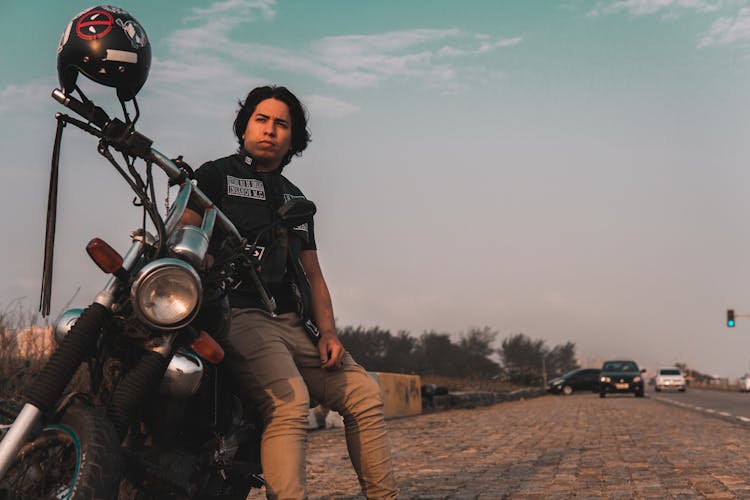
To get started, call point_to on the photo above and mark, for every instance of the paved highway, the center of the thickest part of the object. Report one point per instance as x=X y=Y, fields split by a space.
x=733 y=405
x=581 y=446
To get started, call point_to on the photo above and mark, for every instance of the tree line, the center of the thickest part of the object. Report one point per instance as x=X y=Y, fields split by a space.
x=519 y=359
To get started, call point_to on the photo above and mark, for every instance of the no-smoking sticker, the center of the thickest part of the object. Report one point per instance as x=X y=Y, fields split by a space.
x=94 y=24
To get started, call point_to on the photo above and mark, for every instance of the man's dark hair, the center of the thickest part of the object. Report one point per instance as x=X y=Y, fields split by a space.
x=300 y=134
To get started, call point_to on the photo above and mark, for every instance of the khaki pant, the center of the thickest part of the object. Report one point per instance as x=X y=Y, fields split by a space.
x=278 y=367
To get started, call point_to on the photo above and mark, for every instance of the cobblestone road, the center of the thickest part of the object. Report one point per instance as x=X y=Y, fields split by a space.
x=551 y=447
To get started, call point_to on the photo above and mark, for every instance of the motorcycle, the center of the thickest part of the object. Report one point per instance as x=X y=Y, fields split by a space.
x=158 y=418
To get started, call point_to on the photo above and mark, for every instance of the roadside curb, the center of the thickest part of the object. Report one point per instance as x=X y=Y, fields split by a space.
x=473 y=399
x=323 y=418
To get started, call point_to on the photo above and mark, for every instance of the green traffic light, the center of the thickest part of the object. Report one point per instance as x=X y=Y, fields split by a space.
x=730 y=323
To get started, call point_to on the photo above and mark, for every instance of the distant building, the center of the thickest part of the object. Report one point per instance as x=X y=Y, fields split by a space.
x=35 y=342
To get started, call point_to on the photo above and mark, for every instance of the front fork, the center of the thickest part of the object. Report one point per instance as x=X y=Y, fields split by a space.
x=137 y=383
x=17 y=435
x=46 y=389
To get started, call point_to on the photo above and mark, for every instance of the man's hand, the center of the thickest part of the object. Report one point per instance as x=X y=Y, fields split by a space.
x=331 y=350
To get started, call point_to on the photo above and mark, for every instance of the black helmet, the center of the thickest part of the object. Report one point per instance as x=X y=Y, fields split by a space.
x=109 y=46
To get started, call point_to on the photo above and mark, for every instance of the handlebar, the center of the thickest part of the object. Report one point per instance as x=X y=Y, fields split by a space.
x=191 y=191
x=88 y=110
x=121 y=136
x=124 y=138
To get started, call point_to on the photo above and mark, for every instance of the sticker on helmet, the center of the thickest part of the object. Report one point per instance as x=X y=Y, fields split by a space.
x=121 y=56
x=64 y=37
x=94 y=24
x=135 y=33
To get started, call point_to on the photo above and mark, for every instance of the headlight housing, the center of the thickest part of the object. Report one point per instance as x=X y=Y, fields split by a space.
x=636 y=379
x=64 y=323
x=606 y=380
x=166 y=294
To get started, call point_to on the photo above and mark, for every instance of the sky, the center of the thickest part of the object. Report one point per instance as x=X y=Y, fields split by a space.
x=573 y=170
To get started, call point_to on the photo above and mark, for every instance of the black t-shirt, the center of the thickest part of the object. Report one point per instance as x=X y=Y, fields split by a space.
x=250 y=199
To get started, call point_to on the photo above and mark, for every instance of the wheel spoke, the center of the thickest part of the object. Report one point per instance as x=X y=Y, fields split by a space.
x=46 y=467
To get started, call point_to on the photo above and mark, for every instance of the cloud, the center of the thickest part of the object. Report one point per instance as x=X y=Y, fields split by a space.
x=728 y=30
x=197 y=72
x=24 y=97
x=320 y=105
x=236 y=9
x=354 y=45
x=209 y=51
x=645 y=7
x=482 y=48
x=203 y=89
x=420 y=53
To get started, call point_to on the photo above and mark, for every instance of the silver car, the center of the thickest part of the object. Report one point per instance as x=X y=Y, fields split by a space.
x=669 y=379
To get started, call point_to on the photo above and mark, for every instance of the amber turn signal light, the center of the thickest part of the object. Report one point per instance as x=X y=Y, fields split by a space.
x=207 y=348
x=104 y=255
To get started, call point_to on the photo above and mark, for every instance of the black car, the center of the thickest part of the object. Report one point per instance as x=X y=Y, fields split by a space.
x=621 y=376
x=582 y=379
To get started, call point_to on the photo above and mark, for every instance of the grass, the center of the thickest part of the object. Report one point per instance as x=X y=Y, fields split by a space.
x=24 y=347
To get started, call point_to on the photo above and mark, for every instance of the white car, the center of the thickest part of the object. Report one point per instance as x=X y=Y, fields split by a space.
x=669 y=378
x=745 y=383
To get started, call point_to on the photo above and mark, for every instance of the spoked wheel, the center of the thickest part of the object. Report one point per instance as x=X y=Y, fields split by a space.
x=75 y=459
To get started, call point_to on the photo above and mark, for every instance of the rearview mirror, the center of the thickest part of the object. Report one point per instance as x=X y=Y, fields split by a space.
x=296 y=211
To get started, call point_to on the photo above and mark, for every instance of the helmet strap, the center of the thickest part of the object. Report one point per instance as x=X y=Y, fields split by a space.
x=122 y=100
x=80 y=93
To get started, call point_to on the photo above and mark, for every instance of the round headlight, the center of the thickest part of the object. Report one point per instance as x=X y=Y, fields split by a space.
x=166 y=294
x=636 y=379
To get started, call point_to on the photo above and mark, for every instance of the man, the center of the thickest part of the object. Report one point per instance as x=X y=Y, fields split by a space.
x=281 y=361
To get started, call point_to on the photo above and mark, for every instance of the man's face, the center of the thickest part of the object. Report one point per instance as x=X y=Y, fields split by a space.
x=268 y=134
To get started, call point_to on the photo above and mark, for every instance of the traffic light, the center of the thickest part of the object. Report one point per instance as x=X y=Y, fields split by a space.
x=730 y=318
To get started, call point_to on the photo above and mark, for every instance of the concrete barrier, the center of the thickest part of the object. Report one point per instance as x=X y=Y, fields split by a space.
x=401 y=393
x=472 y=399
x=402 y=397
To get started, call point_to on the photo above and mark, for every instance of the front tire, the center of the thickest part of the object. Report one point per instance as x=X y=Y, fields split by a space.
x=77 y=458
x=567 y=390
